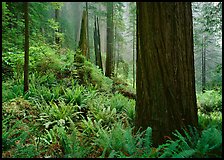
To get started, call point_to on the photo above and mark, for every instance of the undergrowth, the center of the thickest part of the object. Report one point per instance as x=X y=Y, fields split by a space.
x=73 y=111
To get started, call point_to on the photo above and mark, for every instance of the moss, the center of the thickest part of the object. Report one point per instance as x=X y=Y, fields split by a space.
x=88 y=74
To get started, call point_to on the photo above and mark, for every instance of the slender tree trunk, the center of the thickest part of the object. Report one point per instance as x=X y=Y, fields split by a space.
x=95 y=41
x=57 y=40
x=134 y=48
x=115 y=49
x=83 y=38
x=99 y=44
x=26 y=48
x=166 y=98
x=109 y=59
x=118 y=56
x=203 y=65
x=87 y=26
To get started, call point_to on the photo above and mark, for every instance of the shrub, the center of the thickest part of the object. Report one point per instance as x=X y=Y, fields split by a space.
x=210 y=101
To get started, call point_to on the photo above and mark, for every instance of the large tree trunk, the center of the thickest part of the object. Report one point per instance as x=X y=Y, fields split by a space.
x=166 y=98
x=83 y=37
x=26 y=48
x=110 y=36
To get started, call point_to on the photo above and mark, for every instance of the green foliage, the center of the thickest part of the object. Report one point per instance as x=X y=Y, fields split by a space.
x=13 y=61
x=58 y=114
x=120 y=142
x=72 y=110
x=210 y=101
x=74 y=95
x=19 y=137
x=12 y=26
x=213 y=119
x=207 y=39
x=194 y=145
x=71 y=145
x=120 y=102
x=11 y=89
x=88 y=74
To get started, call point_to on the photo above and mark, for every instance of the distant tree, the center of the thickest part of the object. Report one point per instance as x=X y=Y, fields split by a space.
x=132 y=21
x=110 y=40
x=203 y=64
x=207 y=37
x=26 y=47
x=87 y=27
x=119 y=29
x=57 y=40
x=166 y=98
x=83 y=34
x=97 y=44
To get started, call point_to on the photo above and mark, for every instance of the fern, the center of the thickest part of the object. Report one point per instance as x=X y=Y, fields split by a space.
x=148 y=140
x=120 y=142
x=69 y=143
x=185 y=154
x=210 y=141
x=209 y=144
x=130 y=143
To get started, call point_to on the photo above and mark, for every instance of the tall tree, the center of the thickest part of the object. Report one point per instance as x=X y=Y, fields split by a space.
x=110 y=38
x=166 y=98
x=26 y=47
x=57 y=29
x=97 y=44
x=83 y=37
x=87 y=27
x=133 y=51
x=207 y=20
x=203 y=65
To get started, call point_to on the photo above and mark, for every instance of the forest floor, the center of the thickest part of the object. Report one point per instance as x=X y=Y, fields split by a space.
x=77 y=112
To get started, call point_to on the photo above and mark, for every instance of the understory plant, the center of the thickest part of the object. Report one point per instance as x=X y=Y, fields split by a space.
x=192 y=144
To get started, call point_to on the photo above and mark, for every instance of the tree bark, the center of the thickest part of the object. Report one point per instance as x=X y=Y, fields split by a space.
x=109 y=59
x=166 y=98
x=97 y=44
x=134 y=48
x=203 y=65
x=57 y=40
x=26 y=48
x=87 y=28
x=83 y=38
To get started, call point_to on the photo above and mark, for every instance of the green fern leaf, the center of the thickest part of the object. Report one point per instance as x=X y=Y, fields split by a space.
x=185 y=154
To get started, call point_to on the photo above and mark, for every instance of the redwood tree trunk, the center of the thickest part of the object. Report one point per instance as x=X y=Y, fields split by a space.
x=110 y=36
x=26 y=48
x=166 y=98
x=97 y=44
x=57 y=40
x=83 y=34
x=203 y=74
x=87 y=30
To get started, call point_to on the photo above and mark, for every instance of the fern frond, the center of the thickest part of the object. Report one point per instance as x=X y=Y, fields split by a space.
x=148 y=140
x=130 y=141
x=185 y=154
x=171 y=149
